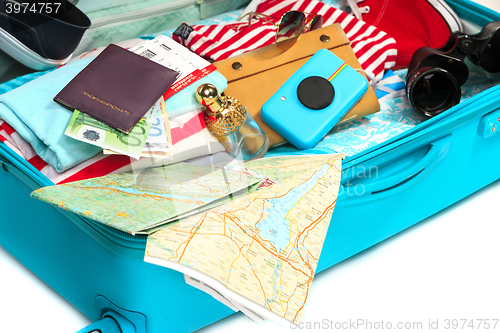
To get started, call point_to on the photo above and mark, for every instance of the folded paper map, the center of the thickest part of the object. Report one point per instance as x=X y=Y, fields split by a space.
x=136 y=202
x=258 y=253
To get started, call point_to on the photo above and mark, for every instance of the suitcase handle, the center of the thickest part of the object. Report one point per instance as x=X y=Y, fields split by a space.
x=106 y=325
x=112 y=322
x=389 y=186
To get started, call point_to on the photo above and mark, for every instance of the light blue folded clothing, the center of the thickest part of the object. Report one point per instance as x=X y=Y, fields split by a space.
x=185 y=101
x=31 y=111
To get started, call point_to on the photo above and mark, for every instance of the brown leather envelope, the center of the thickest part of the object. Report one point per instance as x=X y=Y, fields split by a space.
x=255 y=76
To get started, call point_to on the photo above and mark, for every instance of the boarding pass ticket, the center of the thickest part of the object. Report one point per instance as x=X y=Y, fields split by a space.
x=167 y=52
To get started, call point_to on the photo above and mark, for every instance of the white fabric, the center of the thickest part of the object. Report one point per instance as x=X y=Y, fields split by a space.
x=355 y=10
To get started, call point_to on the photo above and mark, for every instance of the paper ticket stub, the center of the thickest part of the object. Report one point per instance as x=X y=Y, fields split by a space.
x=167 y=52
x=159 y=138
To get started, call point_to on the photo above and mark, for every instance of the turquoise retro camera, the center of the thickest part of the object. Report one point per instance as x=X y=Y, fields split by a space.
x=314 y=99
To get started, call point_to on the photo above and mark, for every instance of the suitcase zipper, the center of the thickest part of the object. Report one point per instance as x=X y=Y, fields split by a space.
x=102 y=22
x=116 y=241
x=203 y=8
x=483 y=103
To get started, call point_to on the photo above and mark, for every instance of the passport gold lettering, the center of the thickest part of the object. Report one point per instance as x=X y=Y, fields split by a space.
x=105 y=103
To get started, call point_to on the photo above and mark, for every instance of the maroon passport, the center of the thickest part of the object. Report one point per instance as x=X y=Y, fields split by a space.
x=118 y=87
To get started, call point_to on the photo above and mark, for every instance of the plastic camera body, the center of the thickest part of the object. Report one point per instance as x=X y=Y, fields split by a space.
x=308 y=105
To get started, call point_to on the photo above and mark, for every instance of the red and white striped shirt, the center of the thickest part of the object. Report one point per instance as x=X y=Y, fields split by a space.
x=375 y=49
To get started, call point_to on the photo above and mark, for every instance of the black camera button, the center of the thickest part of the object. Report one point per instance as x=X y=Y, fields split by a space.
x=315 y=92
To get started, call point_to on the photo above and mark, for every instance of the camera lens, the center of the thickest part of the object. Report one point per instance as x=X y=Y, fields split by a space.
x=431 y=91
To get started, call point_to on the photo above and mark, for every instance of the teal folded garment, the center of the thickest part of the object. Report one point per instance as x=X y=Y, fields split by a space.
x=30 y=109
x=185 y=101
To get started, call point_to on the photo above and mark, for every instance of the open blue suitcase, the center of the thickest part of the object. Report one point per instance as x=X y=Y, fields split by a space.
x=78 y=257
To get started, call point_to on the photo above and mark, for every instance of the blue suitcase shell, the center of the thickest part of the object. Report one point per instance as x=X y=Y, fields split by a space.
x=409 y=167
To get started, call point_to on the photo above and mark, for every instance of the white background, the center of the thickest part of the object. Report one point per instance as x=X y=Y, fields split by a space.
x=446 y=267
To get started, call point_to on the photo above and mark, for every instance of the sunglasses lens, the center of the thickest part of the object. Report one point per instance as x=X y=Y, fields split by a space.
x=317 y=22
x=491 y=53
x=433 y=91
x=290 y=28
